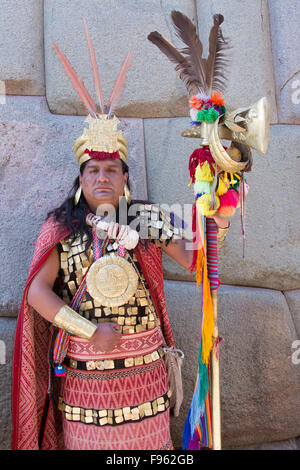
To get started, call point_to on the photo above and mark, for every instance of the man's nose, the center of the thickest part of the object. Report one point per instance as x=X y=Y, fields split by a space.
x=102 y=175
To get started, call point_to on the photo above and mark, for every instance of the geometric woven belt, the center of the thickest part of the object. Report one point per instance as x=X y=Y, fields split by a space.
x=114 y=364
x=116 y=416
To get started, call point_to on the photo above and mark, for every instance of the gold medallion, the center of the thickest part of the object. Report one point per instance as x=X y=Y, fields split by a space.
x=112 y=280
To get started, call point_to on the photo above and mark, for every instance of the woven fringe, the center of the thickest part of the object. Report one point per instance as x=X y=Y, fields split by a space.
x=173 y=361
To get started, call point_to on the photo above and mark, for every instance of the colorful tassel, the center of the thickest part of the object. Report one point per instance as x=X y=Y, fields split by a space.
x=228 y=203
x=204 y=204
x=59 y=371
x=203 y=173
x=201 y=187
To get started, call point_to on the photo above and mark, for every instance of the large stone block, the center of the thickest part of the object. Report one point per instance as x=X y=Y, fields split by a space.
x=272 y=247
x=284 y=23
x=259 y=383
x=293 y=300
x=152 y=87
x=22 y=49
x=250 y=73
x=7 y=335
x=38 y=168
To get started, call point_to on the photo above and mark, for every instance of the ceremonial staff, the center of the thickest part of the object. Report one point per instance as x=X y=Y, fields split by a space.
x=217 y=175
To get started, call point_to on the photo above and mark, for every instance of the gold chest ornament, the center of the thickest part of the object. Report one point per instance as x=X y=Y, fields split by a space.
x=112 y=280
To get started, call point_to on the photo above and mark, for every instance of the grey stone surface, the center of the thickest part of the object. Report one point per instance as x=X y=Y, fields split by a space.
x=260 y=390
x=38 y=168
x=284 y=24
x=272 y=252
x=7 y=334
x=293 y=300
x=246 y=24
x=21 y=47
x=152 y=87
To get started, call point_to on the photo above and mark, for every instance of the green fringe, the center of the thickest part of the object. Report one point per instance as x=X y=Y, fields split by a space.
x=210 y=115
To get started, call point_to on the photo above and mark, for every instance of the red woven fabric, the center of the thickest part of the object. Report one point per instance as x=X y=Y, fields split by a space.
x=101 y=155
x=30 y=361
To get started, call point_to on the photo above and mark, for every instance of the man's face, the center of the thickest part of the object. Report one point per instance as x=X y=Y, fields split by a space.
x=103 y=182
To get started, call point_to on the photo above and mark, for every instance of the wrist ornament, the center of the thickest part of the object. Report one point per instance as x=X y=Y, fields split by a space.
x=74 y=323
x=221 y=235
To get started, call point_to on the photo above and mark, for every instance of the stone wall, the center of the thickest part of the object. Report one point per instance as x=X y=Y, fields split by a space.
x=40 y=117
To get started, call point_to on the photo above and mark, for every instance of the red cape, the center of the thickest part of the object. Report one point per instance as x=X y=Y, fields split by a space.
x=32 y=410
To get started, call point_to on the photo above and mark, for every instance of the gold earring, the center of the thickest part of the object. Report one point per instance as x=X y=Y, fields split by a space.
x=77 y=196
x=127 y=194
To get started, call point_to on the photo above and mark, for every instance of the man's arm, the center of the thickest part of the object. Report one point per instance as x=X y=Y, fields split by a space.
x=40 y=293
x=42 y=298
x=177 y=249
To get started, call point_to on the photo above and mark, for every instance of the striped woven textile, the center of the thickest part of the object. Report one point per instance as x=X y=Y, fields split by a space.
x=212 y=253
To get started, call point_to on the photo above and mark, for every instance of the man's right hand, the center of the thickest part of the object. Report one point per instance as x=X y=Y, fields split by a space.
x=107 y=336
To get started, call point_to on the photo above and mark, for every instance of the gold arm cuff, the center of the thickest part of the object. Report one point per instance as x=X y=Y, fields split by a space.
x=74 y=323
x=221 y=235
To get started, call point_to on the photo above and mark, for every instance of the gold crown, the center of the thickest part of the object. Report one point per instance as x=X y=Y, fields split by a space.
x=101 y=136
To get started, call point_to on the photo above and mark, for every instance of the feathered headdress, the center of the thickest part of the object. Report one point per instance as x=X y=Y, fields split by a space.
x=102 y=139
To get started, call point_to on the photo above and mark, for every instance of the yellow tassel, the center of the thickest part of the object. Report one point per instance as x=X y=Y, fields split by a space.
x=222 y=188
x=208 y=313
x=203 y=205
x=199 y=268
x=191 y=180
x=203 y=173
x=232 y=180
x=225 y=178
x=208 y=318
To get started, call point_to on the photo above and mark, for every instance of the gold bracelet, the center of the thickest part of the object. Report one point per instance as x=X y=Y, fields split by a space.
x=74 y=323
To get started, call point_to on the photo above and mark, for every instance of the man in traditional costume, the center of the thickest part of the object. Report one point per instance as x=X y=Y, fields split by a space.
x=94 y=348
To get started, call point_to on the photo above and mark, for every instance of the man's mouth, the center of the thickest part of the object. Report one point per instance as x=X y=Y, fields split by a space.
x=104 y=190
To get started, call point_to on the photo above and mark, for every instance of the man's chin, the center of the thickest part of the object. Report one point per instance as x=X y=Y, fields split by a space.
x=104 y=199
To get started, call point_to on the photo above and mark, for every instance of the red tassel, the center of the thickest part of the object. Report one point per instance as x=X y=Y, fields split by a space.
x=200 y=156
x=228 y=203
x=195 y=251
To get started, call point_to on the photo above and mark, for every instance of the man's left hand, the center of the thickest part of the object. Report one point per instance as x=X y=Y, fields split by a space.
x=123 y=234
x=222 y=222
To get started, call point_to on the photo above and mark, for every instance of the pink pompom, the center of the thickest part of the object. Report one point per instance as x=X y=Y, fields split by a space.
x=228 y=203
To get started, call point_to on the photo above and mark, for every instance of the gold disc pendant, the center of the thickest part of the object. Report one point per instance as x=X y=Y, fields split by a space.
x=112 y=280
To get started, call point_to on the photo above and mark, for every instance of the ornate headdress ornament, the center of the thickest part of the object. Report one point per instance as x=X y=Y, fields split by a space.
x=102 y=139
x=205 y=80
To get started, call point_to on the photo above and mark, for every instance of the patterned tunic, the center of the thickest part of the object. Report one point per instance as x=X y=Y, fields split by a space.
x=120 y=399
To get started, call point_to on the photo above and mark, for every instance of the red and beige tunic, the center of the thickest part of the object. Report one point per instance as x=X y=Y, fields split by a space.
x=118 y=399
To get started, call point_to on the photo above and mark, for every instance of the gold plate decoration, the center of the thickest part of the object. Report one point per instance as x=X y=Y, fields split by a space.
x=112 y=280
